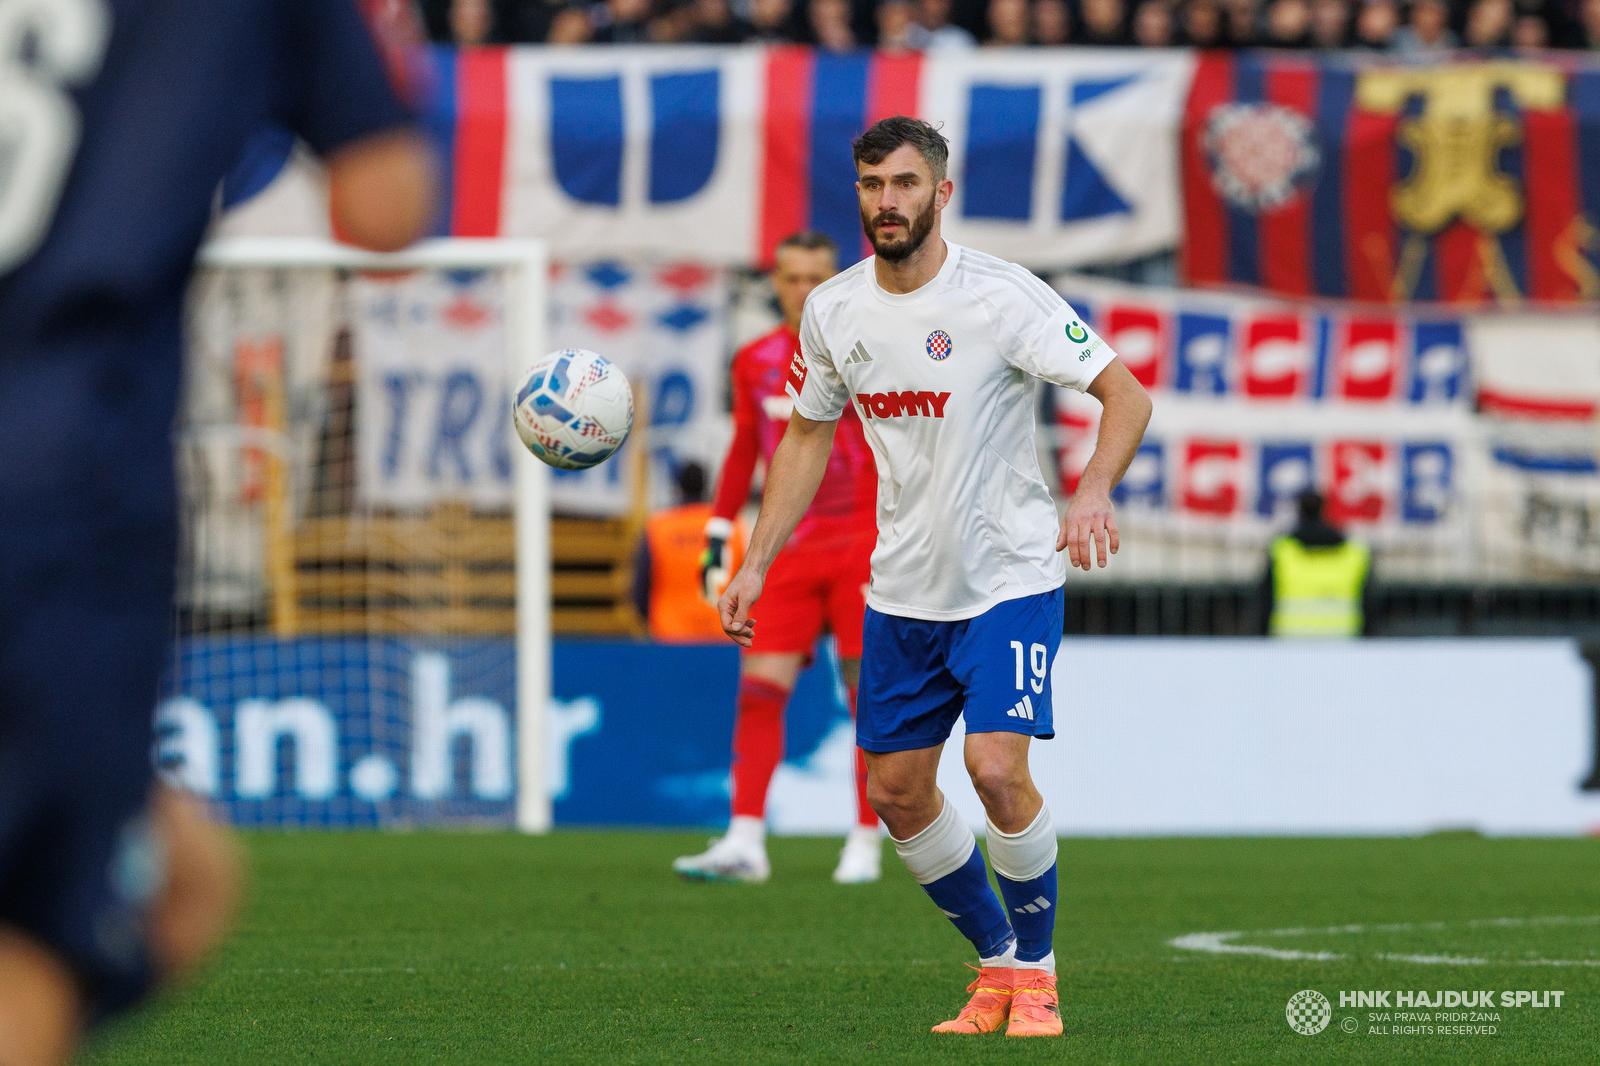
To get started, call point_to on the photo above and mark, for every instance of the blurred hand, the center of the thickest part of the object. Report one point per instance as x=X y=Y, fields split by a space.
x=1089 y=520
x=734 y=607
x=713 y=567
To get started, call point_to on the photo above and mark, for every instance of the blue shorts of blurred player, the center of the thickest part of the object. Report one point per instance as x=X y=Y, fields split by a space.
x=84 y=628
x=993 y=671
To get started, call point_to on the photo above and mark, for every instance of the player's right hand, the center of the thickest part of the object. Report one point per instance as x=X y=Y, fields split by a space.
x=734 y=607
x=1090 y=524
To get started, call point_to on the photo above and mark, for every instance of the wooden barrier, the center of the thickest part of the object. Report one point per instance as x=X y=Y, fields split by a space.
x=452 y=571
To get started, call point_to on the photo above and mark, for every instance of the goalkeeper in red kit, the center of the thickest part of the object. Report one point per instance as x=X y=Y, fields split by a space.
x=817 y=583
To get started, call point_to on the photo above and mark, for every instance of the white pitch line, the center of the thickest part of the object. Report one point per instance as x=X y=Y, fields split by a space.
x=1218 y=944
x=1222 y=943
x=1434 y=960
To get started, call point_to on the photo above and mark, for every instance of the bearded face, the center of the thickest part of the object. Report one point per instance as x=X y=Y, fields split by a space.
x=895 y=238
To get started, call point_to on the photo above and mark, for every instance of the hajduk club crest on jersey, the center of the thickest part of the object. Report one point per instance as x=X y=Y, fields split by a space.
x=939 y=346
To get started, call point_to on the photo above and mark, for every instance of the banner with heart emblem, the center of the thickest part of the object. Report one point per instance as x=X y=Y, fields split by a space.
x=1454 y=179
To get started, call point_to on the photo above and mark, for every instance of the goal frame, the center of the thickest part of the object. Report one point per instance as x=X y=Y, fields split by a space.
x=526 y=266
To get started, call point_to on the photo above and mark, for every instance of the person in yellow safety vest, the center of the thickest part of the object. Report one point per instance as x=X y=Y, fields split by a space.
x=1317 y=578
x=667 y=589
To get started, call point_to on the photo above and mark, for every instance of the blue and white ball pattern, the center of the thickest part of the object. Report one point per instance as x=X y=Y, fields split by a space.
x=574 y=408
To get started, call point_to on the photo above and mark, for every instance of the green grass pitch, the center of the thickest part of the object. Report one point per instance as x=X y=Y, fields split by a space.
x=581 y=947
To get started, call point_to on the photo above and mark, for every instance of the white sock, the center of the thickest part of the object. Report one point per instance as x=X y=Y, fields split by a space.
x=748 y=832
x=939 y=850
x=1025 y=855
x=865 y=834
x=1008 y=957
x=1047 y=964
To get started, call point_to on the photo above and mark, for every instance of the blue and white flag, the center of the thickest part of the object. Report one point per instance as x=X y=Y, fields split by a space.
x=1061 y=157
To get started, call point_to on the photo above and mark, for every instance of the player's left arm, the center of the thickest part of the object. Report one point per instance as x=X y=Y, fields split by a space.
x=360 y=75
x=794 y=475
x=382 y=189
x=733 y=486
x=792 y=482
x=1090 y=518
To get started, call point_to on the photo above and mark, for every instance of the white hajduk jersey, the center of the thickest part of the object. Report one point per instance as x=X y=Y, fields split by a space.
x=944 y=379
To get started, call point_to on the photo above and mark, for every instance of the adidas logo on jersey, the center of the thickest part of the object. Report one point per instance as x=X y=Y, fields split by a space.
x=895 y=404
x=1039 y=904
x=1024 y=708
x=858 y=354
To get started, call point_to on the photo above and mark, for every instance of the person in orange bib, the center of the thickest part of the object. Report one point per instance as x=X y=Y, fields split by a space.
x=668 y=590
x=818 y=582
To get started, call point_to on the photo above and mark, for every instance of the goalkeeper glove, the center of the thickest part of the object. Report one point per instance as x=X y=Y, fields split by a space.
x=714 y=575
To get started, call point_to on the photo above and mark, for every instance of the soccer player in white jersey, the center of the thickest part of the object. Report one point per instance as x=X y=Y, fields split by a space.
x=940 y=349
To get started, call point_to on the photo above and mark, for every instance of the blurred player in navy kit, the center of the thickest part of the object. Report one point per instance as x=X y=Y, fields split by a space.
x=120 y=118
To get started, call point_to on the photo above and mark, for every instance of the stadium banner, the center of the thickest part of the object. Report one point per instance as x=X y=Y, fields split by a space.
x=1537 y=367
x=344 y=731
x=615 y=151
x=1455 y=179
x=432 y=419
x=1541 y=493
x=1245 y=737
x=627 y=151
x=1258 y=400
x=391 y=731
x=1228 y=736
x=1060 y=156
x=666 y=325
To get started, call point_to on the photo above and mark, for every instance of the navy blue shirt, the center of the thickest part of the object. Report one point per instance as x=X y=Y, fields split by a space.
x=90 y=309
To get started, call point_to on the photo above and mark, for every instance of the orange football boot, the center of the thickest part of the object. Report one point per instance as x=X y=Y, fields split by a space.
x=986 y=1011
x=1035 y=1007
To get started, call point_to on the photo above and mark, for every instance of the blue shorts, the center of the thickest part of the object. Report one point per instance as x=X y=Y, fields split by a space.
x=917 y=677
x=84 y=629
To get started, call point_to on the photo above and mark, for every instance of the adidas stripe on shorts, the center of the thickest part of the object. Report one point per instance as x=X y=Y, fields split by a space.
x=993 y=670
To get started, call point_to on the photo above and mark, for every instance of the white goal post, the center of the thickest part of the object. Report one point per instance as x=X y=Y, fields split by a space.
x=525 y=268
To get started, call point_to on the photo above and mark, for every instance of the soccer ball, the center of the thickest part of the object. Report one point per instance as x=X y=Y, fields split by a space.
x=573 y=409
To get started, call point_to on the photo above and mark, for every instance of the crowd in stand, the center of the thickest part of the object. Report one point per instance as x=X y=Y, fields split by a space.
x=1404 y=26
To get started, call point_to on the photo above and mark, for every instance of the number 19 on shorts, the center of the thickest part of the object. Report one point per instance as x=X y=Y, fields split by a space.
x=1038 y=663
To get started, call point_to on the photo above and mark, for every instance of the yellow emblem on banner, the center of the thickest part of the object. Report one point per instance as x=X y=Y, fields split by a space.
x=1455 y=141
x=1457 y=138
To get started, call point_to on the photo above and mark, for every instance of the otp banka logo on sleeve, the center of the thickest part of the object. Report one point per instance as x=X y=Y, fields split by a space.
x=593 y=129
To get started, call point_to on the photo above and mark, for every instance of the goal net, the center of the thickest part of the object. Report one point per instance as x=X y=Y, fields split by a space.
x=363 y=585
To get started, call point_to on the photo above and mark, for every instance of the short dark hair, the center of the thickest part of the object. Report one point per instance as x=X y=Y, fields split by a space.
x=811 y=240
x=1310 y=504
x=692 y=482
x=885 y=135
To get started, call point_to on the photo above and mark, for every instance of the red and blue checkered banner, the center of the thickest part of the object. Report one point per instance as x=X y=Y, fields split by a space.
x=1258 y=400
x=1457 y=180
x=1060 y=157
